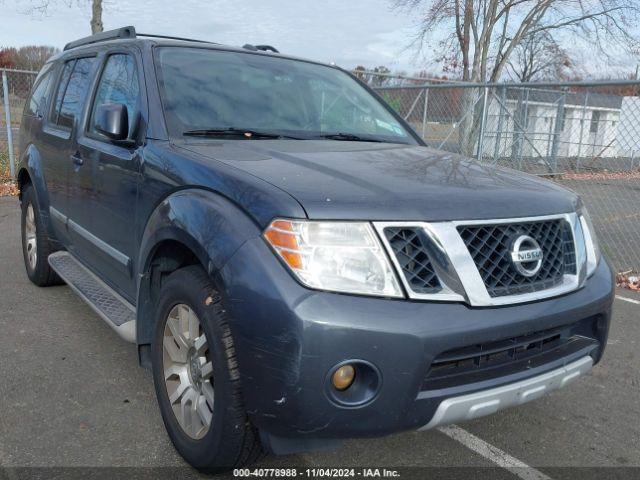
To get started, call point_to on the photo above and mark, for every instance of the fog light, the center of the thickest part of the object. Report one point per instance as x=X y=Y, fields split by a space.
x=343 y=377
x=352 y=383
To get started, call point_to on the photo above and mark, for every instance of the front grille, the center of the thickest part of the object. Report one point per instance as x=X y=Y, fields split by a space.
x=490 y=248
x=488 y=360
x=409 y=246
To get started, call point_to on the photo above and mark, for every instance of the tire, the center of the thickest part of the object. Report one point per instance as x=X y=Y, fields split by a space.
x=230 y=441
x=36 y=245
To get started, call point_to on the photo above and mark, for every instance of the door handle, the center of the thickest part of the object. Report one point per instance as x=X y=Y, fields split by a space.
x=77 y=160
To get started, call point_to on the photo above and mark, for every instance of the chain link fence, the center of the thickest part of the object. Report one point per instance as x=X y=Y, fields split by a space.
x=585 y=136
x=15 y=86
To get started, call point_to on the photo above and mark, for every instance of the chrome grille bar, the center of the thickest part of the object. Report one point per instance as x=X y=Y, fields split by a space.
x=458 y=273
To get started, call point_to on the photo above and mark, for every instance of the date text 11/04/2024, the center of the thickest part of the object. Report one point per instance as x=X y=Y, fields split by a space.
x=316 y=472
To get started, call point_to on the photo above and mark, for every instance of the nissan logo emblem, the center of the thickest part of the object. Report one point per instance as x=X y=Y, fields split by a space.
x=526 y=256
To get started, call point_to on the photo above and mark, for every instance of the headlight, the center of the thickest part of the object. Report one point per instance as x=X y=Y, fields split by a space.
x=337 y=256
x=590 y=240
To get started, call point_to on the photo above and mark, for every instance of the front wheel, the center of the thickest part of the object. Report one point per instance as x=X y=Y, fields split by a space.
x=196 y=376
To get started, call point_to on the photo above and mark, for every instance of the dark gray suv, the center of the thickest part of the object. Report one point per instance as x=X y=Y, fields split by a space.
x=291 y=260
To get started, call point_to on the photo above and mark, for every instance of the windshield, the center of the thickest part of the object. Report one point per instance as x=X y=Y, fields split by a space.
x=211 y=90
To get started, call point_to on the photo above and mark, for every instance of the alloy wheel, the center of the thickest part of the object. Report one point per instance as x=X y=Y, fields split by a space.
x=188 y=371
x=30 y=240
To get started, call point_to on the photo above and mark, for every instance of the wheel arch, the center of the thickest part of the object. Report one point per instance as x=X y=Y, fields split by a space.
x=23 y=178
x=30 y=171
x=190 y=226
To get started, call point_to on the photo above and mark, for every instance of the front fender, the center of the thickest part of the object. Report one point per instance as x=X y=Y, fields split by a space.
x=210 y=225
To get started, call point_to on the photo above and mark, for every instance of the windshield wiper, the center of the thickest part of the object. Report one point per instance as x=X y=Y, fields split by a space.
x=350 y=137
x=235 y=132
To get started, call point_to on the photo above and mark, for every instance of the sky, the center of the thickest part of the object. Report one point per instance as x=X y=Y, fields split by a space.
x=347 y=32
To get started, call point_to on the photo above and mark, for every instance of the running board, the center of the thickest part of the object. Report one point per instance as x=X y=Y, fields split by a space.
x=112 y=308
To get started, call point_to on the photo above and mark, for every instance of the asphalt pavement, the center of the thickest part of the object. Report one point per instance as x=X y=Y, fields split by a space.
x=72 y=395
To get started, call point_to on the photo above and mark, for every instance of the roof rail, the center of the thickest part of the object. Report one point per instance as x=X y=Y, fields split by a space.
x=151 y=35
x=130 y=32
x=124 y=32
x=263 y=48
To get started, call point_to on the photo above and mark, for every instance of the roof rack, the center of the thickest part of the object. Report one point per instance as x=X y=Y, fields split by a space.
x=263 y=48
x=124 y=32
x=120 y=33
x=152 y=35
x=130 y=32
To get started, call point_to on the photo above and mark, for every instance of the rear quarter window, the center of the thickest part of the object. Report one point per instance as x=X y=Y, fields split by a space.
x=38 y=99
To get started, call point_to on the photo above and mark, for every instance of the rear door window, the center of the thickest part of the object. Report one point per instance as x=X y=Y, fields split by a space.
x=71 y=91
x=62 y=86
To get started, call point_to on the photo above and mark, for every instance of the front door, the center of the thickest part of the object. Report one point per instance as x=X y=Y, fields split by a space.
x=107 y=216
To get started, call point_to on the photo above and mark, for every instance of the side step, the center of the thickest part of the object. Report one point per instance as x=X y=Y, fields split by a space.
x=115 y=310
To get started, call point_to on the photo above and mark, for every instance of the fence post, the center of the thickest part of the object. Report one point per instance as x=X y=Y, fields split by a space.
x=7 y=116
x=517 y=127
x=502 y=106
x=483 y=121
x=557 y=131
x=584 y=113
x=424 y=114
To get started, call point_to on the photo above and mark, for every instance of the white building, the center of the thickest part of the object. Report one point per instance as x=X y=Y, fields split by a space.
x=628 y=131
x=523 y=122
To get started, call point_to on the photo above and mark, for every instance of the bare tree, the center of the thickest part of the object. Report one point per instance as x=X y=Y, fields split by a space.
x=376 y=77
x=539 y=57
x=43 y=6
x=485 y=33
x=360 y=72
x=381 y=76
x=96 y=16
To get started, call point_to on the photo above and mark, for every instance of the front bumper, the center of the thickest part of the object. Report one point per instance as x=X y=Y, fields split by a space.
x=486 y=402
x=288 y=338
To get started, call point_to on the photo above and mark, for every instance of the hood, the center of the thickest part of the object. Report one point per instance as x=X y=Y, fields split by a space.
x=376 y=181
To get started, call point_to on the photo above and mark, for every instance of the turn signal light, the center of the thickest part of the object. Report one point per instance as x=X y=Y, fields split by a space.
x=284 y=239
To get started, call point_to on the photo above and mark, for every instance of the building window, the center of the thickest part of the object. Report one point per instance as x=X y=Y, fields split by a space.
x=595 y=119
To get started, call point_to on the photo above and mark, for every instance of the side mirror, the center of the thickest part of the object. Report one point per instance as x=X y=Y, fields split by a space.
x=112 y=121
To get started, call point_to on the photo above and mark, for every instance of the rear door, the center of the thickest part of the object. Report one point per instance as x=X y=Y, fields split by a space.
x=58 y=138
x=34 y=114
x=108 y=214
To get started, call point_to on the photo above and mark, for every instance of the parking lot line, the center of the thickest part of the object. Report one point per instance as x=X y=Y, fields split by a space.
x=492 y=453
x=630 y=300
